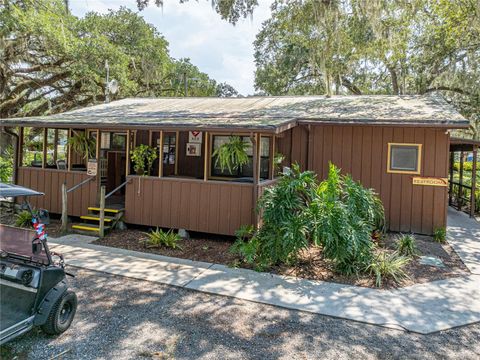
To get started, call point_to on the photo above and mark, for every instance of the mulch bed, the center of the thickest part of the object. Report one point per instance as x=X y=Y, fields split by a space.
x=311 y=265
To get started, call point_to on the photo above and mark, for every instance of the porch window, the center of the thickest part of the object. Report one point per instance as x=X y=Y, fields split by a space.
x=57 y=148
x=32 y=154
x=404 y=158
x=245 y=171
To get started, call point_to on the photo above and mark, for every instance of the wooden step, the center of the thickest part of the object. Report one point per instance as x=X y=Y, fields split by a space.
x=96 y=218
x=86 y=227
x=114 y=211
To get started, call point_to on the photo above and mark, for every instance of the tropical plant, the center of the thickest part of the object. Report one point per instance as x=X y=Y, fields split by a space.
x=232 y=154
x=388 y=266
x=82 y=144
x=338 y=215
x=244 y=232
x=143 y=157
x=23 y=219
x=6 y=164
x=440 y=234
x=406 y=245
x=158 y=237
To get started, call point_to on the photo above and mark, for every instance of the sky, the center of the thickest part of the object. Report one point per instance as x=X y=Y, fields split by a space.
x=194 y=30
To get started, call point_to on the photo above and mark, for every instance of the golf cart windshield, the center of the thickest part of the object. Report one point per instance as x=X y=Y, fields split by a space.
x=18 y=242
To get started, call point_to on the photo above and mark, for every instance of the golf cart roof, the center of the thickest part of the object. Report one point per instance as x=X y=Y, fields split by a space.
x=9 y=190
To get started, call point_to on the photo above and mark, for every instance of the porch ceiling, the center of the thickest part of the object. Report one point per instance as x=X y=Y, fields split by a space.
x=270 y=114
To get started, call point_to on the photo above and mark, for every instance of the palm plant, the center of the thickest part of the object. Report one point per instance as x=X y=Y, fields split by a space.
x=82 y=144
x=406 y=245
x=158 y=237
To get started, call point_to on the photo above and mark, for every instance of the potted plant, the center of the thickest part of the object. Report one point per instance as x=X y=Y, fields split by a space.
x=232 y=154
x=82 y=144
x=143 y=157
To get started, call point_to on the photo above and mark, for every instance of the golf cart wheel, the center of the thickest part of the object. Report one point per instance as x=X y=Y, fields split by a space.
x=62 y=314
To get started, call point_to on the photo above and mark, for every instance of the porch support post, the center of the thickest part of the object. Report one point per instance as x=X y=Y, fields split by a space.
x=176 y=151
x=127 y=155
x=45 y=142
x=102 y=212
x=20 y=148
x=97 y=157
x=474 y=179
x=460 y=182
x=64 y=226
x=69 y=153
x=450 y=192
x=55 y=146
x=272 y=158
x=160 y=156
x=206 y=158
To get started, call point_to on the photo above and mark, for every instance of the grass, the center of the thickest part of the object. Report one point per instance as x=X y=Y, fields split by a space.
x=388 y=266
x=406 y=245
x=440 y=235
x=158 y=237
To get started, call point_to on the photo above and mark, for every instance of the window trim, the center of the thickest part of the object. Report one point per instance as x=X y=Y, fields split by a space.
x=419 y=159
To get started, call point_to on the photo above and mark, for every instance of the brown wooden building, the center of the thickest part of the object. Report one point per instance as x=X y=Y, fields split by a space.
x=397 y=145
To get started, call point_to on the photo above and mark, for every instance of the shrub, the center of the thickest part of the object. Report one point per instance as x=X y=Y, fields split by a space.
x=158 y=237
x=23 y=219
x=143 y=157
x=388 y=266
x=440 y=234
x=338 y=214
x=406 y=245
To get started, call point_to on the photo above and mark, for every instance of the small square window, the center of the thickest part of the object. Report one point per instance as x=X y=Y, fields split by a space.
x=404 y=158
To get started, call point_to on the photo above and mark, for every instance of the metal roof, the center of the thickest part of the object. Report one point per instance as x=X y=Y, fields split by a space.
x=269 y=113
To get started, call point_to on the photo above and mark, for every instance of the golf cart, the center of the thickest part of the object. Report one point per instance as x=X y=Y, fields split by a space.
x=33 y=287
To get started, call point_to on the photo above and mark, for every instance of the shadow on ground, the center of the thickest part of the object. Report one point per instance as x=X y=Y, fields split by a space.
x=124 y=318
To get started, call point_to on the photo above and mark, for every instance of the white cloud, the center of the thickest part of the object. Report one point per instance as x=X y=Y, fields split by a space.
x=194 y=30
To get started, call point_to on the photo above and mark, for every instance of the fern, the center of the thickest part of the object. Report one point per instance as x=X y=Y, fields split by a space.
x=231 y=155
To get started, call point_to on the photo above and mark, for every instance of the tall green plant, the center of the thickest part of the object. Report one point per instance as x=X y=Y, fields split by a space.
x=82 y=144
x=143 y=157
x=232 y=154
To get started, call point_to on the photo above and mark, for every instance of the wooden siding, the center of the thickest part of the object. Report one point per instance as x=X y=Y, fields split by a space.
x=362 y=152
x=49 y=181
x=213 y=207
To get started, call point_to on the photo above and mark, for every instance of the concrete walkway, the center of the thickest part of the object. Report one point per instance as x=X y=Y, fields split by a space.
x=422 y=308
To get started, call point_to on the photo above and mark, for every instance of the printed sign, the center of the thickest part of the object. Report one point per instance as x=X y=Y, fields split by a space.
x=430 y=181
x=194 y=149
x=195 y=137
x=92 y=167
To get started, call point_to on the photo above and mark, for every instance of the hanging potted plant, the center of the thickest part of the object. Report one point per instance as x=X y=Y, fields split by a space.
x=82 y=144
x=232 y=154
x=143 y=157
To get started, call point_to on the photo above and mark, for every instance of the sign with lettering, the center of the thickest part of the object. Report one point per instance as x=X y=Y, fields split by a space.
x=430 y=181
x=194 y=149
x=92 y=167
x=195 y=137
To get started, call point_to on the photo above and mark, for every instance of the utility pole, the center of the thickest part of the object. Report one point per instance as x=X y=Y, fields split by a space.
x=185 y=84
x=107 y=100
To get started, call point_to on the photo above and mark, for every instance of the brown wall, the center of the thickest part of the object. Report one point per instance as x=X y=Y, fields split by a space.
x=190 y=165
x=213 y=207
x=49 y=181
x=362 y=152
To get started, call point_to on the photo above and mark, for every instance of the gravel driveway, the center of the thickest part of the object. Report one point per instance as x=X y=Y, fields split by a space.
x=123 y=318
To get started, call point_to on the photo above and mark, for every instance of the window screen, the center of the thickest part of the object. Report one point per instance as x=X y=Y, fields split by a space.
x=404 y=158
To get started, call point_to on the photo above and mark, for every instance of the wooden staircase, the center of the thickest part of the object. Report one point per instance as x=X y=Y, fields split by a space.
x=91 y=221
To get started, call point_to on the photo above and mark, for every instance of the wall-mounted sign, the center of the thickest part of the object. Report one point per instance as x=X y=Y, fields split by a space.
x=105 y=140
x=92 y=167
x=430 y=181
x=194 y=149
x=195 y=137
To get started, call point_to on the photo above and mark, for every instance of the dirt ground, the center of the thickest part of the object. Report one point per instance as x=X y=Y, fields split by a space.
x=124 y=318
x=311 y=265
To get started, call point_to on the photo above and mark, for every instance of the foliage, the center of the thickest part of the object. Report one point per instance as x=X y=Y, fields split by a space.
x=159 y=237
x=406 y=245
x=345 y=216
x=244 y=232
x=6 y=164
x=143 y=157
x=82 y=144
x=467 y=166
x=53 y=61
x=232 y=154
x=23 y=219
x=388 y=266
x=338 y=214
x=440 y=234
x=226 y=90
x=231 y=10
x=375 y=47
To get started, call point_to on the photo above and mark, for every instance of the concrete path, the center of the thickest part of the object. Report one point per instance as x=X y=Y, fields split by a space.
x=422 y=308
